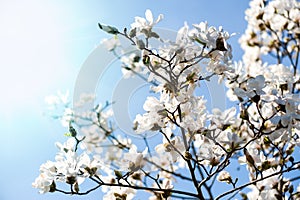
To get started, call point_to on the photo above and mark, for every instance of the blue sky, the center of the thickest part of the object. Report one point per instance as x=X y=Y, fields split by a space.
x=43 y=46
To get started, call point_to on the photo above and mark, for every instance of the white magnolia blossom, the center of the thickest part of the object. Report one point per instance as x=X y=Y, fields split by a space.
x=68 y=167
x=193 y=144
x=119 y=193
x=224 y=176
x=145 y=25
x=175 y=148
x=133 y=160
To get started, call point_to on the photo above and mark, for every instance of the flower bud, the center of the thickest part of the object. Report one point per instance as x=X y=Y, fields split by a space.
x=220 y=44
x=71 y=180
x=108 y=29
x=72 y=131
x=76 y=187
x=249 y=158
x=118 y=174
x=52 y=187
x=224 y=176
x=188 y=155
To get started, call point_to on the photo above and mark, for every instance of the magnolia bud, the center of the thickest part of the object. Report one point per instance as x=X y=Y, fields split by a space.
x=220 y=44
x=188 y=155
x=249 y=158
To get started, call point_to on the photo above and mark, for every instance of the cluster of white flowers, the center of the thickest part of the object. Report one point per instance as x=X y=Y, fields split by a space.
x=262 y=132
x=268 y=93
x=273 y=27
x=69 y=167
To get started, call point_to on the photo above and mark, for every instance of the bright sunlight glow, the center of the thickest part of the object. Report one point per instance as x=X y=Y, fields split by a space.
x=31 y=51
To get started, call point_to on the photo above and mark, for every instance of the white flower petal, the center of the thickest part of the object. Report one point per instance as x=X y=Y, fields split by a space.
x=149 y=16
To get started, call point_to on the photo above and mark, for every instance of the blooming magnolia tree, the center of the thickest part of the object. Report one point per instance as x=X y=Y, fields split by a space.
x=196 y=149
